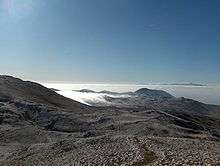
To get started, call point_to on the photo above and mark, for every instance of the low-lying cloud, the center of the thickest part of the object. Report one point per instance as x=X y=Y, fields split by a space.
x=89 y=97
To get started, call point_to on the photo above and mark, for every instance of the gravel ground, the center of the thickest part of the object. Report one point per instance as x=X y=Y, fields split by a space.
x=114 y=150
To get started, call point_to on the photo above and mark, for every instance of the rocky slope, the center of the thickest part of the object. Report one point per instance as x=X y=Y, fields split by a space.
x=15 y=89
x=40 y=127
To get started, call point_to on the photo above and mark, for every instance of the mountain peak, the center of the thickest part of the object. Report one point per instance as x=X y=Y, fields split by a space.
x=152 y=93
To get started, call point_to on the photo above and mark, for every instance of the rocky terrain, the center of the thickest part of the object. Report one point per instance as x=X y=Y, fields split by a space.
x=149 y=127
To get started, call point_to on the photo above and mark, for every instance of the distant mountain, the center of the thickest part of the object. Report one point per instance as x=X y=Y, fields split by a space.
x=141 y=92
x=91 y=91
x=152 y=99
x=85 y=91
x=152 y=93
x=186 y=84
x=109 y=92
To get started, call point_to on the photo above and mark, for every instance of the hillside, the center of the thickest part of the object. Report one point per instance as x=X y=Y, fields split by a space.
x=16 y=89
x=40 y=127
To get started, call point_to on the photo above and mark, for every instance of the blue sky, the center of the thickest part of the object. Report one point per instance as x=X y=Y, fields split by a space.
x=111 y=41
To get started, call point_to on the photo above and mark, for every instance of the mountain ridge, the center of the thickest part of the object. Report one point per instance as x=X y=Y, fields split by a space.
x=140 y=92
x=17 y=89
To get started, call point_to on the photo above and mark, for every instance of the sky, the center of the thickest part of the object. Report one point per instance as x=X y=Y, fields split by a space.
x=111 y=41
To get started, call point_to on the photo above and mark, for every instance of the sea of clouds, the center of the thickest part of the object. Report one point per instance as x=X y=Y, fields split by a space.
x=209 y=94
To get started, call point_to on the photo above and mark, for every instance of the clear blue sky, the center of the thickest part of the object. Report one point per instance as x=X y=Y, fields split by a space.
x=121 y=41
